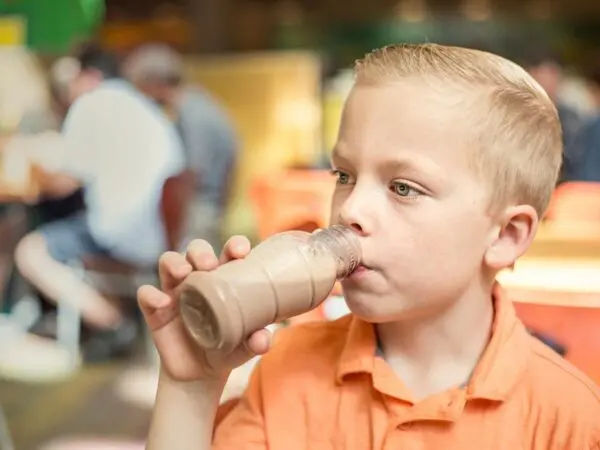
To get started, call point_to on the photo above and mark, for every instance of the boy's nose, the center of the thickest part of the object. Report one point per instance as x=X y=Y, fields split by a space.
x=355 y=214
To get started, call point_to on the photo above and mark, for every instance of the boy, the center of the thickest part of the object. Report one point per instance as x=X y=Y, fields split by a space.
x=445 y=161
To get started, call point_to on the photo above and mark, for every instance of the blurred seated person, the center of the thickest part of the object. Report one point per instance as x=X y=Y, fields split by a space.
x=209 y=139
x=547 y=69
x=583 y=163
x=120 y=148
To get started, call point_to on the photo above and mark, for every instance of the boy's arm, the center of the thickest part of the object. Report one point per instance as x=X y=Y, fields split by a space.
x=184 y=414
x=184 y=417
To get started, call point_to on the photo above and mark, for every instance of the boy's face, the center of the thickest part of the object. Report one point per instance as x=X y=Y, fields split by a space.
x=405 y=184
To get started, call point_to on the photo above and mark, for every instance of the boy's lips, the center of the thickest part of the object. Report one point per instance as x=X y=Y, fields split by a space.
x=365 y=266
x=360 y=270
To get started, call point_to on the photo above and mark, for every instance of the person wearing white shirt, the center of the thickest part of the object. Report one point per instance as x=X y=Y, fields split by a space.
x=121 y=148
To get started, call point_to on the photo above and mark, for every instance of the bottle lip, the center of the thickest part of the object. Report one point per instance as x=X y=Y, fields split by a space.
x=345 y=245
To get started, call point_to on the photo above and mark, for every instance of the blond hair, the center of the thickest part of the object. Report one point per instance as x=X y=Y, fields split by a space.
x=518 y=141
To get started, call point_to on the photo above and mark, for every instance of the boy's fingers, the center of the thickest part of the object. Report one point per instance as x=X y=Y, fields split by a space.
x=201 y=255
x=172 y=269
x=236 y=247
x=259 y=342
x=150 y=299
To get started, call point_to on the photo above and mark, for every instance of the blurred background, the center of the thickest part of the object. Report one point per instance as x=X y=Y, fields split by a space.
x=248 y=94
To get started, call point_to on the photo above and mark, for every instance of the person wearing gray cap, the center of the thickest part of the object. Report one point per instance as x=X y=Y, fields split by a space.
x=209 y=138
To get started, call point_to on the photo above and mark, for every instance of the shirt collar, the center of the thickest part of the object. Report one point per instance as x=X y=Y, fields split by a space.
x=505 y=359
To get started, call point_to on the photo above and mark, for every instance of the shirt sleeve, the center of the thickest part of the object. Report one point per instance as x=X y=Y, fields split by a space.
x=243 y=427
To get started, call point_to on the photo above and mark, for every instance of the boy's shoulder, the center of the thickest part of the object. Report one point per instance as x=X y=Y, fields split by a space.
x=557 y=388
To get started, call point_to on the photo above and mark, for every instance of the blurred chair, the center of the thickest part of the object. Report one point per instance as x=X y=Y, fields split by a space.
x=576 y=328
x=575 y=204
x=117 y=278
x=292 y=200
x=178 y=192
x=575 y=201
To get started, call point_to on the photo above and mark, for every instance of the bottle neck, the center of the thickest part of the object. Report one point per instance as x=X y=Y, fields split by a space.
x=344 y=246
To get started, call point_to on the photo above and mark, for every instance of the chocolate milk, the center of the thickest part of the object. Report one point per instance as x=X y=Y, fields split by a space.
x=286 y=275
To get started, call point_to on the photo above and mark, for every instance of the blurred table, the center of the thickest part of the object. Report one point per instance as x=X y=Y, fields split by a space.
x=21 y=187
x=561 y=268
x=19 y=177
x=566 y=240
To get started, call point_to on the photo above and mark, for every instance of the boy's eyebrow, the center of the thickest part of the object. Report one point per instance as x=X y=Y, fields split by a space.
x=336 y=156
x=416 y=165
x=412 y=165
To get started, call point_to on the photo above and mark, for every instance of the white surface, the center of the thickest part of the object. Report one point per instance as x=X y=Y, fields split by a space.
x=91 y=443
x=335 y=307
x=15 y=167
x=560 y=275
x=28 y=358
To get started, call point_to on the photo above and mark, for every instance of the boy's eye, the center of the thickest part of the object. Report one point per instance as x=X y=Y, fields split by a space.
x=342 y=177
x=404 y=189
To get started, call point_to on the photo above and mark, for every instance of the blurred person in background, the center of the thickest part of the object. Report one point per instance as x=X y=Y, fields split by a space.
x=209 y=139
x=547 y=69
x=120 y=148
x=584 y=162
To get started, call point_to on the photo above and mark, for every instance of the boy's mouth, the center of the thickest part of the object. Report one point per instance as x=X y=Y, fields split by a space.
x=364 y=266
x=361 y=268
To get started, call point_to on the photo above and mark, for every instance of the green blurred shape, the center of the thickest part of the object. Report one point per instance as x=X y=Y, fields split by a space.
x=53 y=26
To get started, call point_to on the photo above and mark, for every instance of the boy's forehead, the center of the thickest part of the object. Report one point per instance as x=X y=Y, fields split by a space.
x=395 y=119
x=419 y=98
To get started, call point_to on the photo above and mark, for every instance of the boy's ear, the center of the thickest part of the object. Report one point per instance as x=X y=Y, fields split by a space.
x=516 y=228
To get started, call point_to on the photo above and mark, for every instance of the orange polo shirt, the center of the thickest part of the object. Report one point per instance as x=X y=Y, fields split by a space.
x=322 y=387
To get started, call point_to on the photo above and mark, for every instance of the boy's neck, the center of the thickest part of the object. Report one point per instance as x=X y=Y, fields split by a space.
x=437 y=353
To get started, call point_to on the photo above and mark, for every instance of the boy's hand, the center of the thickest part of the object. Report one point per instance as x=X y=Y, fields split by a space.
x=181 y=358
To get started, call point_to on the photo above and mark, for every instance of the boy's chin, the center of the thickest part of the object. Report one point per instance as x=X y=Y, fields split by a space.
x=377 y=309
x=372 y=309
